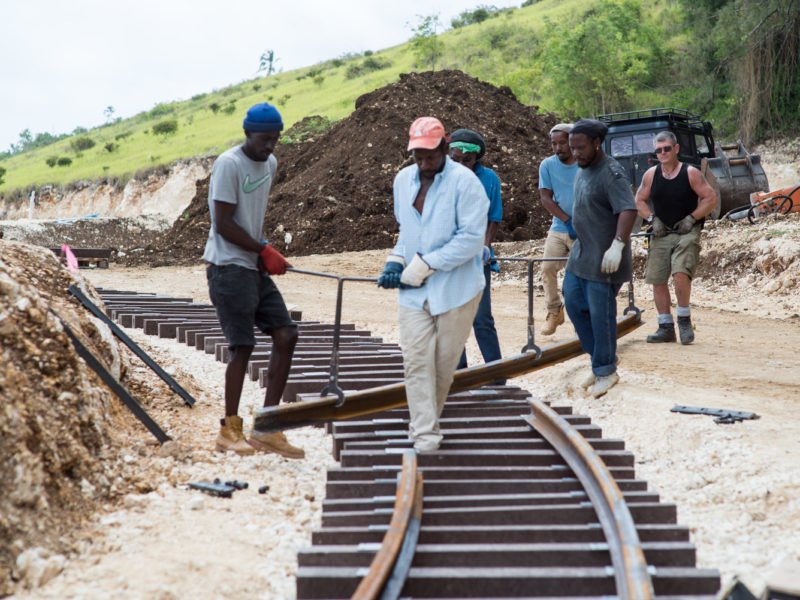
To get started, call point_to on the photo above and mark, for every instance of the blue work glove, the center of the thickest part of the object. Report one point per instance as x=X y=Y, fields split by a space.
x=390 y=278
x=570 y=229
x=493 y=264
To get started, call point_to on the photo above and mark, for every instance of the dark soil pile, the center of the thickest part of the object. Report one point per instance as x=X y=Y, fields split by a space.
x=58 y=449
x=334 y=191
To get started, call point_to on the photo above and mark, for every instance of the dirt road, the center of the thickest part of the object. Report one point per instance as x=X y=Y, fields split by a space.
x=736 y=486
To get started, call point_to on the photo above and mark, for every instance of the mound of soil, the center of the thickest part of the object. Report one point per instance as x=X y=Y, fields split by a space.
x=58 y=457
x=333 y=192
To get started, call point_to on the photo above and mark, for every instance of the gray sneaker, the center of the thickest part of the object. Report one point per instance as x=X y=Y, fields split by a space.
x=664 y=333
x=685 y=330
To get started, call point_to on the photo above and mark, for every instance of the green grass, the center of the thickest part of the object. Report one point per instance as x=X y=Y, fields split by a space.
x=501 y=50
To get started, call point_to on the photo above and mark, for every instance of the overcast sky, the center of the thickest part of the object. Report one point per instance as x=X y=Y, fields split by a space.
x=64 y=62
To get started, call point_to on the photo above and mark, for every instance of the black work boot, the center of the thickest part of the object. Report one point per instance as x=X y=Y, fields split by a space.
x=685 y=330
x=664 y=333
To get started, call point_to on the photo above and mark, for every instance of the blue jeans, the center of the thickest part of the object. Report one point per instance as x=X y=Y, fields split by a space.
x=592 y=308
x=483 y=326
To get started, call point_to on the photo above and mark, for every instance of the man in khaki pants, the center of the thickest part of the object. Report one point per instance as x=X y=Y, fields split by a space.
x=556 y=178
x=442 y=209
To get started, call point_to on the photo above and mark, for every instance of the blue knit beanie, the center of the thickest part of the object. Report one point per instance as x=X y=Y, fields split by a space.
x=263 y=117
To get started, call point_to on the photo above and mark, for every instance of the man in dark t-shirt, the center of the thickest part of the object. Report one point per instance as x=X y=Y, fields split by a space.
x=680 y=198
x=599 y=262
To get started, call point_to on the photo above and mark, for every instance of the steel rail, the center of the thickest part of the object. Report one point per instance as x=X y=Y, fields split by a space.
x=333 y=377
x=630 y=567
x=364 y=402
x=387 y=573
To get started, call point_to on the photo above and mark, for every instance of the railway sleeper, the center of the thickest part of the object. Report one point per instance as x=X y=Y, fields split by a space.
x=575 y=554
x=505 y=582
x=500 y=534
x=386 y=487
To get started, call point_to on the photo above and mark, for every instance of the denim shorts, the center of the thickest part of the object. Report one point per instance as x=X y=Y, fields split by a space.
x=244 y=299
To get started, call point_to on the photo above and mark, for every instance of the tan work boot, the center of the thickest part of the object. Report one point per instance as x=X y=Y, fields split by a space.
x=231 y=437
x=275 y=442
x=554 y=319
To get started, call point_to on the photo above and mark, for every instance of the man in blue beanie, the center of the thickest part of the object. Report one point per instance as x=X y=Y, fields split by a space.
x=239 y=272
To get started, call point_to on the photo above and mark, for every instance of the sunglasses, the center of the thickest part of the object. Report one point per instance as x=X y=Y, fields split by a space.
x=663 y=149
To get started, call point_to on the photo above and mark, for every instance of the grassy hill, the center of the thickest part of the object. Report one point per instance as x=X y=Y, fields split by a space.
x=571 y=57
x=210 y=123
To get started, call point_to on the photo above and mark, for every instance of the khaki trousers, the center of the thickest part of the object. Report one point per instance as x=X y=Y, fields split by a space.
x=557 y=244
x=431 y=347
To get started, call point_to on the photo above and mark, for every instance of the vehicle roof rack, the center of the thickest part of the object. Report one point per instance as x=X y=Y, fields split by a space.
x=670 y=114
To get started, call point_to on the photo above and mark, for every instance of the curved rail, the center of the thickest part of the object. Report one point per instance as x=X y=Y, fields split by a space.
x=389 y=568
x=630 y=567
x=364 y=402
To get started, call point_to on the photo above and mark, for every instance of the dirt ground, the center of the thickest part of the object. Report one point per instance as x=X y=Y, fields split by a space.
x=736 y=486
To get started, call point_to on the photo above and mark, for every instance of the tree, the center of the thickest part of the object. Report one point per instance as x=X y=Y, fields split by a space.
x=109 y=113
x=267 y=62
x=428 y=48
x=597 y=63
x=2 y=174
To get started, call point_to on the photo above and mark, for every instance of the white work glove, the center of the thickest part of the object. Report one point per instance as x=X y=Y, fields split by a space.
x=486 y=255
x=612 y=257
x=416 y=272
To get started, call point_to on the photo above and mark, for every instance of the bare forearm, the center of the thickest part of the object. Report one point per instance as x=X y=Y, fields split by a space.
x=491 y=231
x=625 y=222
x=551 y=206
x=236 y=235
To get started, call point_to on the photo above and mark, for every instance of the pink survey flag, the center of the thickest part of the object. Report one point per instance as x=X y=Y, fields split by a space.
x=72 y=262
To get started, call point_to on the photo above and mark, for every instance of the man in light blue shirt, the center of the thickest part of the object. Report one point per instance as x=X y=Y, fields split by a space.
x=556 y=179
x=442 y=209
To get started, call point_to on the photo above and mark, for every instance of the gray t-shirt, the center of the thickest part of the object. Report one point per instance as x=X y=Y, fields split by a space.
x=602 y=191
x=246 y=183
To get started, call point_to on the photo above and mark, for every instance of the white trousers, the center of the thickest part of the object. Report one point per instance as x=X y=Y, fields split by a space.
x=431 y=346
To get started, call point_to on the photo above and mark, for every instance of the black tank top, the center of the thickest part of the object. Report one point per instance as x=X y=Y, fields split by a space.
x=673 y=199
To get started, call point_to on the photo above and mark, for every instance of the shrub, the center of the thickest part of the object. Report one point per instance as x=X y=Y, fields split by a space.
x=337 y=62
x=165 y=127
x=368 y=52
x=64 y=161
x=229 y=108
x=122 y=136
x=283 y=99
x=368 y=65
x=51 y=161
x=3 y=172
x=198 y=96
x=111 y=146
x=319 y=80
x=159 y=110
x=81 y=143
x=256 y=87
x=214 y=107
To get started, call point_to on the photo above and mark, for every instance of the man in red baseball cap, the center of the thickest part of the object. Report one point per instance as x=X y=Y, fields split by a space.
x=441 y=208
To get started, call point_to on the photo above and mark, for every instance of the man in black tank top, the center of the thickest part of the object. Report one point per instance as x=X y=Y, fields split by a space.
x=674 y=198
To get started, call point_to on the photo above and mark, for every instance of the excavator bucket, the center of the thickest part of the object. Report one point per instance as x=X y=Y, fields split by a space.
x=734 y=176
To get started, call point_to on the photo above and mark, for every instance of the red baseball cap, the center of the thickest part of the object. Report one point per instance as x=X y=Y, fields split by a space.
x=425 y=132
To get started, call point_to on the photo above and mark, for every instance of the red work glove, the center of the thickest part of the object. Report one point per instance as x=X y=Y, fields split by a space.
x=271 y=261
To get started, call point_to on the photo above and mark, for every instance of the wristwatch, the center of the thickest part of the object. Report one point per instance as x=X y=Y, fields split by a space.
x=650 y=218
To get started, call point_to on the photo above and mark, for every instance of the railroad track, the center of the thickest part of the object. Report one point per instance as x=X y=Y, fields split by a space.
x=521 y=500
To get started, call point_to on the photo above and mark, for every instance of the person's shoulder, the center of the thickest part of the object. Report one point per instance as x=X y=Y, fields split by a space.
x=614 y=169
x=486 y=172
x=406 y=173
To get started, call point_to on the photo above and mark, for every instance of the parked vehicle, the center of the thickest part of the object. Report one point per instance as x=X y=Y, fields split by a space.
x=733 y=176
